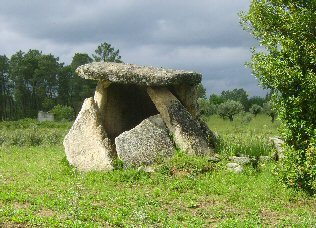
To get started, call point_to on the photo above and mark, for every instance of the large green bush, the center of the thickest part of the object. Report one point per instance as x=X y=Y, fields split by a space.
x=255 y=109
x=229 y=109
x=62 y=112
x=287 y=66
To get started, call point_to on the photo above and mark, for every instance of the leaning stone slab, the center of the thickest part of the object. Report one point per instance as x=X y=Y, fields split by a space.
x=187 y=132
x=86 y=145
x=145 y=143
x=124 y=73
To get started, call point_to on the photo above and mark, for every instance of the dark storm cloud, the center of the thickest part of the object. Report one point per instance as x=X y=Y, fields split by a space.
x=169 y=22
x=203 y=35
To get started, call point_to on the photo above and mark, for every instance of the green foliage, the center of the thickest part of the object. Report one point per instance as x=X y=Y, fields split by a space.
x=106 y=53
x=183 y=164
x=239 y=95
x=298 y=170
x=245 y=117
x=287 y=66
x=29 y=132
x=216 y=99
x=62 y=112
x=255 y=109
x=39 y=188
x=243 y=138
x=79 y=59
x=256 y=100
x=205 y=108
x=229 y=109
x=75 y=89
x=200 y=91
x=34 y=81
x=269 y=110
x=5 y=88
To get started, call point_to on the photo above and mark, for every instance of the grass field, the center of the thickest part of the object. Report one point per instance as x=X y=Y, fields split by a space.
x=39 y=188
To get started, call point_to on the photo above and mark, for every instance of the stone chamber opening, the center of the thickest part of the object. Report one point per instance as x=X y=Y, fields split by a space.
x=126 y=107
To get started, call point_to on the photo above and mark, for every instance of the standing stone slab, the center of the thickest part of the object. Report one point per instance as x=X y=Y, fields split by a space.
x=187 y=132
x=86 y=145
x=145 y=143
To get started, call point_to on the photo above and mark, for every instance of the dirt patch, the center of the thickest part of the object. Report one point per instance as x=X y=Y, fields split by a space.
x=19 y=205
x=13 y=225
x=270 y=218
x=45 y=212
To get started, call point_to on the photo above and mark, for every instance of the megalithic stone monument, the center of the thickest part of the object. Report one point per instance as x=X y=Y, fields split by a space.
x=138 y=114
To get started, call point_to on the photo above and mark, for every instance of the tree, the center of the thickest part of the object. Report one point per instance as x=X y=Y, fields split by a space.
x=5 y=89
x=229 y=109
x=256 y=100
x=35 y=84
x=216 y=99
x=79 y=88
x=205 y=108
x=200 y=91
x=236 y=95
x=269 y=110
x=80 y=59
x=287 y=66
x=20 y=91
x=106 y=53
x=255 y=109
x=62 y=112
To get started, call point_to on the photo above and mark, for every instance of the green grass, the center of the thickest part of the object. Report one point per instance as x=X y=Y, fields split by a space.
x=28 y=132
x=238 y=138
x=39 y=188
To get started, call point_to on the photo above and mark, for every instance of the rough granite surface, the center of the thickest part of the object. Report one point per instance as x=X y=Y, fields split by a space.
x=140 y=75
x=188 y=134
x=86 y=145
x=145 y=143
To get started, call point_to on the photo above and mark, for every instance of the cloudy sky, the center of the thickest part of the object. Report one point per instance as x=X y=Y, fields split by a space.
x=203 y=35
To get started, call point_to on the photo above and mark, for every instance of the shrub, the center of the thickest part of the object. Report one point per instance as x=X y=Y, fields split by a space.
x=245 y=117
x=287 y=66
x=229 y=109
x=205 y=108
x=62 y=112
x=269 y=110
x=255 y=109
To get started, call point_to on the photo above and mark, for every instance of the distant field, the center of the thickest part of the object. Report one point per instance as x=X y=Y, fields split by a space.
x=39 y=188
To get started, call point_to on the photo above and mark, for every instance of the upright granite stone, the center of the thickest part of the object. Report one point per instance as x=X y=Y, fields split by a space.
x=86 y=145
x=122 y=120
x=145 y=143
x=187 y=132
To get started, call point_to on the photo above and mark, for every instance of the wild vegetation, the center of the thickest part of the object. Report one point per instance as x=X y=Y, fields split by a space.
x=286 y=66
x=33 y=81
x=39 y=187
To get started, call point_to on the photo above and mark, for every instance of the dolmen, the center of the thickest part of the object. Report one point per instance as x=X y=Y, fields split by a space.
x=138 y=115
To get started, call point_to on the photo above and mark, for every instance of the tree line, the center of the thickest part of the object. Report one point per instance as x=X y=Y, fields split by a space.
x=32 y=81
x=232 y=102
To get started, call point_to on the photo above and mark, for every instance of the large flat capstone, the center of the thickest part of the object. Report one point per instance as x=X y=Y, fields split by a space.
x=139 y=75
